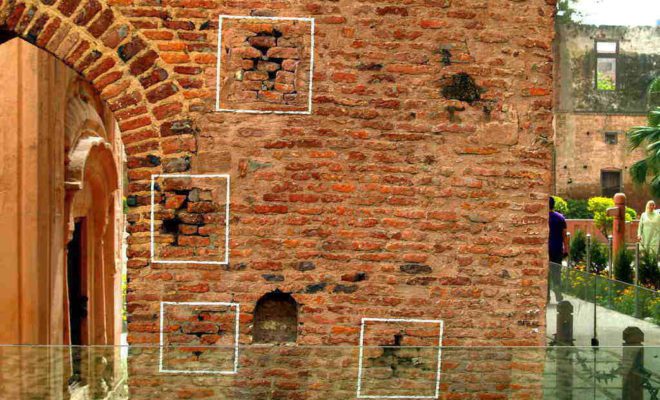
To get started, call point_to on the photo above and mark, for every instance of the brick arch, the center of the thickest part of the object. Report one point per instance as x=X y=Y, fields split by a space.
x=126 y=69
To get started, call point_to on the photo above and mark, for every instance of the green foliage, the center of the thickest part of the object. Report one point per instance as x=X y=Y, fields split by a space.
x=598 y=206
x=617 y=296
x=649 y=274
x=647 y=170
x=578 y=209
x=604 y=82
x=566 y=12
x=623 y=271
x=654 y=93
x=599 y=256
x=578 y=246
x=560 y=205
x=579 y=252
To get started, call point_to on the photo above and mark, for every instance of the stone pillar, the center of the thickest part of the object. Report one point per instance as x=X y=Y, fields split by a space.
x=619 y=226
x=564 y=339
x=632 y=364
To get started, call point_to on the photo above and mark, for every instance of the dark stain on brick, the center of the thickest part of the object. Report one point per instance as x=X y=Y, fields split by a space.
x=345 y=289
x=180 y=164
x=153 y=160
x=369 y=66
x=414 y=268
x=461 y=87
x=446 y=57
x=305 y=266
x=180 y=127
x=235 y=267
x=273 y=277
x=354 y=277
x=315 y=288
x=130 y=49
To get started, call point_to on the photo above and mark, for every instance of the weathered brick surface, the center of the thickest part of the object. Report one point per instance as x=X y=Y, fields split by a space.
x=405 y=193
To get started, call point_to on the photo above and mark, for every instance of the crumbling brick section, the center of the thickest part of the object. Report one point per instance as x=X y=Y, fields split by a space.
x=189 y=217
x=265 y=65
x=198 y=337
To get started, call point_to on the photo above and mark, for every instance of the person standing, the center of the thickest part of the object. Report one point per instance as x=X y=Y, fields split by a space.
x=558 y=248
x=648 y=231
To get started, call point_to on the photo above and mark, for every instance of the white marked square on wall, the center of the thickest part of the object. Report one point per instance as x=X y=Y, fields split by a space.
x=199 y=337
x=265 y=66
x=189 y=219
x=399 y=358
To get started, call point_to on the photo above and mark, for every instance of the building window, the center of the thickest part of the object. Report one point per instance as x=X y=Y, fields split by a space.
x=610 y=182
x=607 y=52
x=611 y=137
x=275 y=319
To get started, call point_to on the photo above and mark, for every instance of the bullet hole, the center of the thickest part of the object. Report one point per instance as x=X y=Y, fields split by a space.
x=275 y=319
x=171 y=226
x=446 y=57
x=452 y=112
x=153 y=160
x=398 y=338
x=369 y=66
x=487 y=111
x=462 y=87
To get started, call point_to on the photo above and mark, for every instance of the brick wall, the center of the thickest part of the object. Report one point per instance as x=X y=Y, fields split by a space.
x=581 y=153
x=416 y=188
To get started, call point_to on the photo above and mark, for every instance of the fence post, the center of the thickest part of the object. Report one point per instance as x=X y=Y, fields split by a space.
x=610 y=271
x=632 y=364
x=637 y=313
x=594 y=272
x=568 y=256
x=564 y=339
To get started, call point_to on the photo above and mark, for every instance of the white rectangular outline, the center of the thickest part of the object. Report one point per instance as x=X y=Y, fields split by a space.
x=199 y=303
x=219 y=65
x=437 y=379
x=152 y=257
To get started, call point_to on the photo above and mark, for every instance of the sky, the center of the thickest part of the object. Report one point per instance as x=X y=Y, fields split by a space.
x=620 y=12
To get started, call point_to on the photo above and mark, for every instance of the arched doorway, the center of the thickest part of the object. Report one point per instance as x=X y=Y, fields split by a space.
x=62 y=235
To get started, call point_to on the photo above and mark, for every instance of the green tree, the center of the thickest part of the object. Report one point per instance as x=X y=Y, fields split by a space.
x=598 y=206
x=623 y=265
x=578 y=209
x=560 y=205
x=647 y=170
x=578 y=246
x=566 y=12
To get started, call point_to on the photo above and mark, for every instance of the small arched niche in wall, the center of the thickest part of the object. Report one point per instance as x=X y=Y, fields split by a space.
x=275 y=319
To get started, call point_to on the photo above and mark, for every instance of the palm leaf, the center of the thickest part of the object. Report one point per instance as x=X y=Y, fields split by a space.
x=638 y=172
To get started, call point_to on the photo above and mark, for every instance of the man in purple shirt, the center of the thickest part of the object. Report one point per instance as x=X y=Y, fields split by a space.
x=558 y=248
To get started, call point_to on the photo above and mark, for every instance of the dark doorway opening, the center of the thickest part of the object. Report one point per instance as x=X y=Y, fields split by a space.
x=77 y=294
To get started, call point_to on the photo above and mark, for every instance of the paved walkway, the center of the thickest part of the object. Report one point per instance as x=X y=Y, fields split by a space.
x=610 y=324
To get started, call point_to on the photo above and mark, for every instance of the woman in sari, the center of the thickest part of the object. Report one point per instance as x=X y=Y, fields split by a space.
x=648 y=232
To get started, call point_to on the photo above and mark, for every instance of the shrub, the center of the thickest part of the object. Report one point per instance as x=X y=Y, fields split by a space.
x=598 y=256
x=560 y=205
x=578 y=246
x=623 y=265
x=578 y=209
x=649 y=275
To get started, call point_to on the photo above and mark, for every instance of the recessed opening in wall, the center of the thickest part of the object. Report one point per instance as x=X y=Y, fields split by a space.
x=275 y=319
x=607 y=52
x=611 y=137
x=610 y=182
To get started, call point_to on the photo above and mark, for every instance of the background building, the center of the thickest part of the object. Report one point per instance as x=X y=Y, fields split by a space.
x=602 y=77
